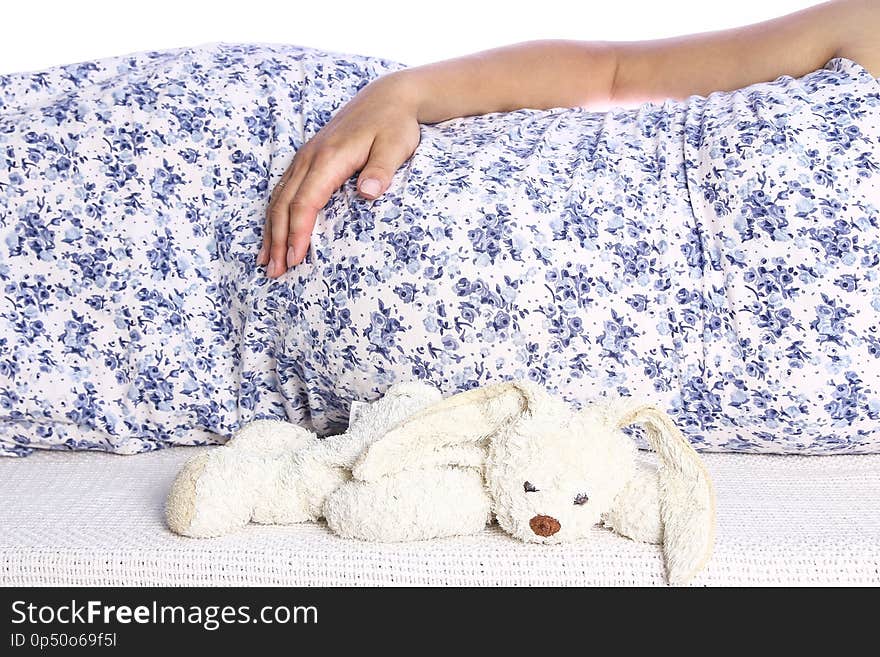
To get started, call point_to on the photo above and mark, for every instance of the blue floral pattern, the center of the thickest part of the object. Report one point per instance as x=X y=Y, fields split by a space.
x=717 y=256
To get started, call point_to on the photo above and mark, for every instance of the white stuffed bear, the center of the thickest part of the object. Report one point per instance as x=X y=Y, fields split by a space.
x=413 y=465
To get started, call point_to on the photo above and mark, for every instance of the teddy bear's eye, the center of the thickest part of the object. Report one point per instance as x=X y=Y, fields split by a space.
x=581 y=498
x=529 y=487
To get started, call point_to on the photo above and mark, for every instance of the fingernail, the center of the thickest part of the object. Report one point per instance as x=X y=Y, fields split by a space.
x=271 y=269
x=261 y=254
x=371 y=187
x=291 y=258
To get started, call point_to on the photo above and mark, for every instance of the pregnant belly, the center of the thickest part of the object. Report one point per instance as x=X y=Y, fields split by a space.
x=495 y=255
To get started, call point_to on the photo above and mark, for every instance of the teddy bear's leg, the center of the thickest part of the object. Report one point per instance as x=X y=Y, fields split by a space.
x=324 y=466
x=276 y=472
x=411 y=505
x=225 y=488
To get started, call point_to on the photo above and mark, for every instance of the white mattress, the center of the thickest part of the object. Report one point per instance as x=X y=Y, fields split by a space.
x=97 y=519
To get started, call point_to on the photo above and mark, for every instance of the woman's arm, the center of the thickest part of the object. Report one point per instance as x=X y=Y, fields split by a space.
x=793 y=45
x=379 y=129
x=546 y=74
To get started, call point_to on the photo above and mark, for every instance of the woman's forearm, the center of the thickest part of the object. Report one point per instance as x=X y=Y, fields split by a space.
x=596 y=74
x=534 y=74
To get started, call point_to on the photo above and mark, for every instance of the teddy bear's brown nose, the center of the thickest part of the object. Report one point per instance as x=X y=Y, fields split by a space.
x=544 y=525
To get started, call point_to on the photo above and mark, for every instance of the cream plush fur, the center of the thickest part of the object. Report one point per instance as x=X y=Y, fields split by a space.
x=413 y=465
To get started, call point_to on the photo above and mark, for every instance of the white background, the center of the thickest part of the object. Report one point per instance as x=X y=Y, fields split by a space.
x=35 y=34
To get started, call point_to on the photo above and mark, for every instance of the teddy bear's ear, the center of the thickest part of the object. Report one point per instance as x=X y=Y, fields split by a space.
x=450 y=431
x=687 y=499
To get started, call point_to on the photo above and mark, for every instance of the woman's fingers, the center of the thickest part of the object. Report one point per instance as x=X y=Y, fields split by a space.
x=266 y=246
x=386 y=156
x=323 y=178
x=278 y=212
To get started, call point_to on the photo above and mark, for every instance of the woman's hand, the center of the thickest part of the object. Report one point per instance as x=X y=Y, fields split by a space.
x=376 y=132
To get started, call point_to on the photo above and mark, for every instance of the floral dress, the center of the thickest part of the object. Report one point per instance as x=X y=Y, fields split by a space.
x=717 y=256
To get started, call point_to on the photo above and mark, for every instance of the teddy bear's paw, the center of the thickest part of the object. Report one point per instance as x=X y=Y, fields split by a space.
x=213 y=494
x=411 y=505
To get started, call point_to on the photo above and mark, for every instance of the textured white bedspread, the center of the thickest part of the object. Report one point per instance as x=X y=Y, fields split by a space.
x=97 y=519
